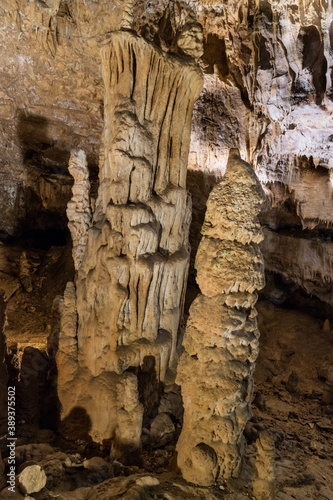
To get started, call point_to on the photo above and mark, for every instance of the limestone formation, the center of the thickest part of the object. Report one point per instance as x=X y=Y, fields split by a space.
x=132 y=263
x=78 y=209
x=264 y=483
x=127 y=20
x=190 y=40
x=306 y=261
x=221 y=338
x=269 y=60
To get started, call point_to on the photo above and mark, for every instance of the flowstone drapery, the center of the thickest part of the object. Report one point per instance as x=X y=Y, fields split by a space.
x=221 y=338
x=132 y=262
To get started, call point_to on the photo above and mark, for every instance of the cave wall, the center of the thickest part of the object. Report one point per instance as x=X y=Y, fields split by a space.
x=267 y=91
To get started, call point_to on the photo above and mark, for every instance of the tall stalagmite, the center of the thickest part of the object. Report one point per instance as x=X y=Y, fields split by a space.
x=127 y=299
x=221 y=338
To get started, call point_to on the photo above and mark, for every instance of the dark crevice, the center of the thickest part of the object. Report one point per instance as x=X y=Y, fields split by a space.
x=133 y=72
x=215 y=56
x=314 y=59
x=266 y=10
x=264 y=56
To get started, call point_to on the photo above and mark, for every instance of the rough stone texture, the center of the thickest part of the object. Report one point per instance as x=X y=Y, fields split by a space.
x=307 y=261
x=139 y=486
x=221 y=338
x=99 y=466
x=127 y=300
x=264 y=484
x=32 y=479
x=162 y=430
x=78 y=209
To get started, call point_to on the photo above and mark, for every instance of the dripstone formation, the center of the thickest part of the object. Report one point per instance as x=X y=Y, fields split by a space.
x=78 y=208
x=132 y=258
x=221 y=338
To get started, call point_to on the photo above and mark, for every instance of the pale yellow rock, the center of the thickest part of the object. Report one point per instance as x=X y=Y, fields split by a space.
x=190 y=41
x=264 y=484
x=128 y=15
x=132 y=259
x=78 y=209
x=221 y=338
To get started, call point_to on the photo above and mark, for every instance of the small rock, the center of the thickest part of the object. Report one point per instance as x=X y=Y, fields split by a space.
x=32 y=479
x=54 y=469
x=147 y=481
x=172 y=403
x=68 y=462
x=292 y=383
x=325 y=424
x=327 y=326
x=33 y=451
x=162 y=430
x=259 y=402
x=98 y=465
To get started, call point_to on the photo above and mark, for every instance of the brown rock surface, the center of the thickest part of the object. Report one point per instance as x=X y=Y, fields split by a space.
x=264 y=487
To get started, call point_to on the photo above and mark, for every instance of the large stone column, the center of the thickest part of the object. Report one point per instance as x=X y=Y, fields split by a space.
x=221 y=338
x=128 y=295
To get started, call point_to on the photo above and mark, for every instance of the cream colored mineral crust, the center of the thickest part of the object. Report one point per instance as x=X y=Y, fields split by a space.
x=221 y=339
x=132 y=257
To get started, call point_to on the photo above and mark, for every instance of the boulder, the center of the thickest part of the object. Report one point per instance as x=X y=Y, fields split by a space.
x=162 y=430
x=32 y=479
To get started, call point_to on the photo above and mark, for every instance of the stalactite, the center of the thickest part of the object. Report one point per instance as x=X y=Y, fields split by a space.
x=78 y=209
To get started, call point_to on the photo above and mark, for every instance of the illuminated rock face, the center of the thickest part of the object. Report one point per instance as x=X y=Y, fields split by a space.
x=127 y=301
x=221 y=338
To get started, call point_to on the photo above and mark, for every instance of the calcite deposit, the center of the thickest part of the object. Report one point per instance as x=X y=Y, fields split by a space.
x=264 y=481
x=132 y=259
x=221 y=338
x=78 y=209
